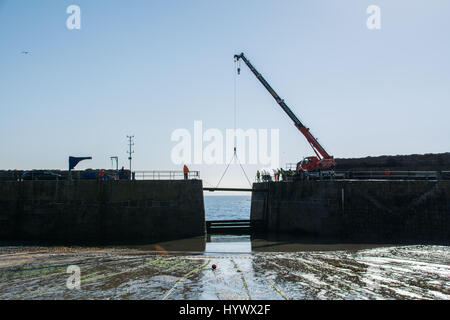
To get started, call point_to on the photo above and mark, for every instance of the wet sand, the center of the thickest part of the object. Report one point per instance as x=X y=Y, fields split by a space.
x=285 y=271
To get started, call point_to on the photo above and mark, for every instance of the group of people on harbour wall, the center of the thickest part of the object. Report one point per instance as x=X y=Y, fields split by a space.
x=278 y=175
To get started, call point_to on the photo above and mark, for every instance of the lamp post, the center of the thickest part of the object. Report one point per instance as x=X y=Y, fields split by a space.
x=115 y=158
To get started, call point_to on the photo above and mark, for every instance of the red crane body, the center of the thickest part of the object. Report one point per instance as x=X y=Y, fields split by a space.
x=322 y=160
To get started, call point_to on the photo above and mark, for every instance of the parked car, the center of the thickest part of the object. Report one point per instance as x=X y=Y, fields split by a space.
x=40 y=175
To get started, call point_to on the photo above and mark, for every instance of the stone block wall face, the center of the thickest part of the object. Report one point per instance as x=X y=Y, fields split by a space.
x=101 y=210
x=360 y=210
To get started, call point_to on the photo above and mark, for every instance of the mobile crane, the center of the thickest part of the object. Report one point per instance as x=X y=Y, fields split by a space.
x=322 y=161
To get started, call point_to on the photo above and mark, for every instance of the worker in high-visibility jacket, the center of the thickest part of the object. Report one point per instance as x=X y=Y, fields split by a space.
x=186 y=172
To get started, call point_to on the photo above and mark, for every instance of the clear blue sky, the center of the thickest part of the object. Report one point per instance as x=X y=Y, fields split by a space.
x=150 y=67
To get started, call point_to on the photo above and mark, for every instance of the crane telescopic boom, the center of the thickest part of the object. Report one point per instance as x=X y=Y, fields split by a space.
x=323 y=159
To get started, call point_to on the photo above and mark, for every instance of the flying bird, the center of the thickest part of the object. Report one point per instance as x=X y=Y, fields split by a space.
x=25 y=52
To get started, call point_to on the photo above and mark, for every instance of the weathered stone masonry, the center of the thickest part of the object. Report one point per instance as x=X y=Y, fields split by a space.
x=357 y=210
x=101 y=210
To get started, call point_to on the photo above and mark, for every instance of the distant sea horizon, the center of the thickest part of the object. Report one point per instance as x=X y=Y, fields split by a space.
x=227 y=207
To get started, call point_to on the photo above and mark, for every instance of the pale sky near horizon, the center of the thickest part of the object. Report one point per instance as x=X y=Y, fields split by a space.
x=150 y=67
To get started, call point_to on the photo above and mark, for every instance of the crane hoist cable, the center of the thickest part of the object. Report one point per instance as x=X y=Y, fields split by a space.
x=234 y=157
x=237 y=65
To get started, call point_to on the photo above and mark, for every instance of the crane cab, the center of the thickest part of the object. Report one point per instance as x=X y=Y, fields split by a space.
x=308 y=164
x=313 y=164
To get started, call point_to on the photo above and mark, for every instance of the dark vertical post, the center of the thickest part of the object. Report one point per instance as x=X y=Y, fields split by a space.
x=130 y=152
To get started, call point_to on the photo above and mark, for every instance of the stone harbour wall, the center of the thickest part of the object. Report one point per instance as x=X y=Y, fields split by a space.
x=101 y=211
x=357 y=210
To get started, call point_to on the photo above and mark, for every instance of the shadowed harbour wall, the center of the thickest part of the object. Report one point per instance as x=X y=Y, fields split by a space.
x=101 y=211
x=356 y=210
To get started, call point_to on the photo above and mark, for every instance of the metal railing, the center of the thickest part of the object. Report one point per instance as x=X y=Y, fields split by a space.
x=360 y=175
x=388 y=174
x=291 y=166
x=165 y=175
